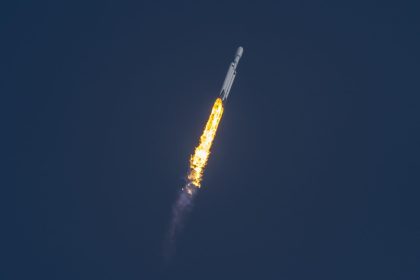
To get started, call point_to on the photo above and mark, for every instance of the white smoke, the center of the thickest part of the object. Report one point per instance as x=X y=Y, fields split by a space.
x=180 y=212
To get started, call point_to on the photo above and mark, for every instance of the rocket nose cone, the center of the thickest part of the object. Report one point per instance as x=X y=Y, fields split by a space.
x=239 y=51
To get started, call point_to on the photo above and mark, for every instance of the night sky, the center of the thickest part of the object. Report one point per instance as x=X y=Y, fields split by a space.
x=314 y=173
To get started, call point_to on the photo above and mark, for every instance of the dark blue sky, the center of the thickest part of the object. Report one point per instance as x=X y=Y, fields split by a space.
x=314 y=172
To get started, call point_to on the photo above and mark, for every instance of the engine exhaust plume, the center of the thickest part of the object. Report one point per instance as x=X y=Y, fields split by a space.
x=201 y=154
x=198 y=162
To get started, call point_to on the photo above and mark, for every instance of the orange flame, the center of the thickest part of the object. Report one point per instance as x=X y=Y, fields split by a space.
x=201 y=154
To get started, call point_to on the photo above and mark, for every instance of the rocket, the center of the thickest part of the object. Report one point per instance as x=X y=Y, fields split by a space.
x=230 y=76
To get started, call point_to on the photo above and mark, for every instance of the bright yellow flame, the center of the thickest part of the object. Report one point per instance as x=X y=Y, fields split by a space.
x=201 y=154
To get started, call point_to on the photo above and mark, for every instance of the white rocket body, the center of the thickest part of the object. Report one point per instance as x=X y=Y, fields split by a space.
x=230 y=76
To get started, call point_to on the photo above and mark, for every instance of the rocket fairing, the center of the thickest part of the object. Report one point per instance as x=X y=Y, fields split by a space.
x=230 y=76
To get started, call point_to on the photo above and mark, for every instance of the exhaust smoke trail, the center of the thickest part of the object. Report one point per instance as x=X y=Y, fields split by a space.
x=198 y=163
